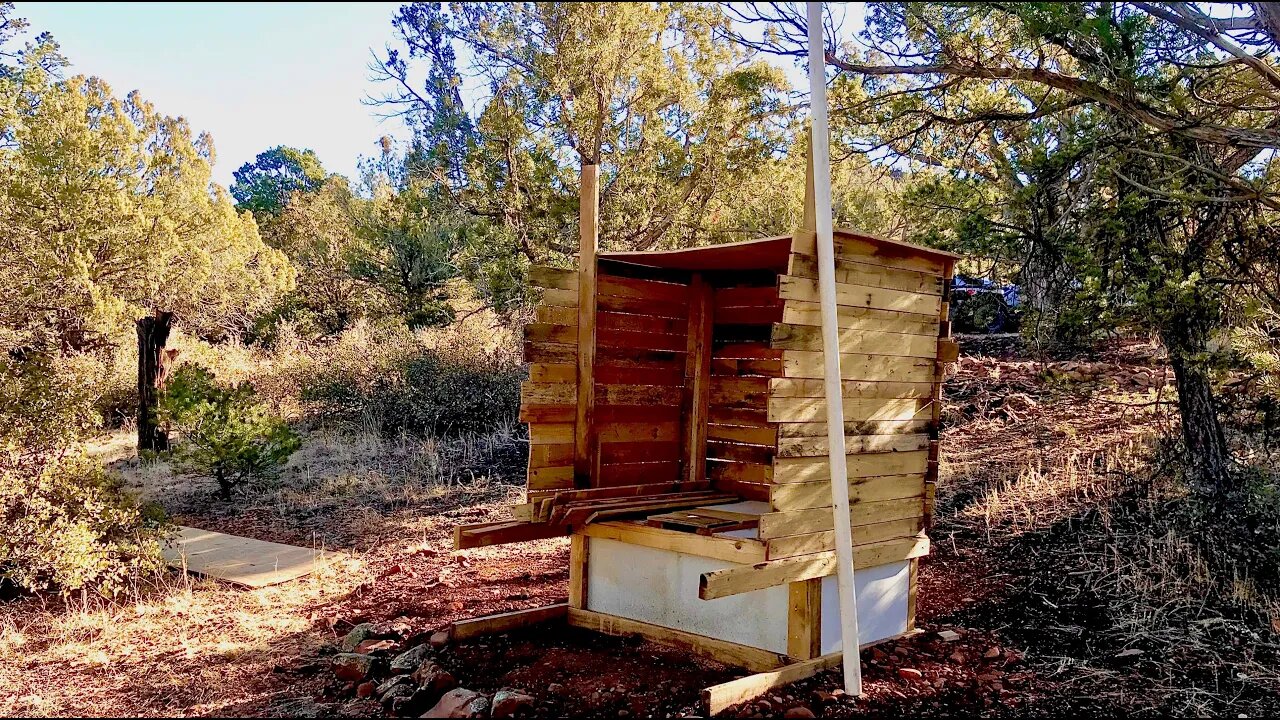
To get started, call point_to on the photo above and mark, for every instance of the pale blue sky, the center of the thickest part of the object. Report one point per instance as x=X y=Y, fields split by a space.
x=254 y=75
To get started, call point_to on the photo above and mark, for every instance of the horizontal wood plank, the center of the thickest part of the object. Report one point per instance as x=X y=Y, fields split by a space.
x=747 y=578
x=861 y=296
x=792 y=470
x=797 y=312
x=552 y=278
x=859 y=366
x=815 y=388
x=821 y=446
x=801 y=522
x=553 y=373
x=870 y=342
x=870 y=274
x=825 y=541
x=805 y=496
x=808 y=410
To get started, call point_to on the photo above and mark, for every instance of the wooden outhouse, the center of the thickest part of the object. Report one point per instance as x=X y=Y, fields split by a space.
x=677 y=430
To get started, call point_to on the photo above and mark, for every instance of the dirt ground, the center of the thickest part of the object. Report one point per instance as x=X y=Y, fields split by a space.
x=1026 y=456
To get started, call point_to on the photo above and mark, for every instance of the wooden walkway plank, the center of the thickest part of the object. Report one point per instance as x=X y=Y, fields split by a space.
x=240 y=560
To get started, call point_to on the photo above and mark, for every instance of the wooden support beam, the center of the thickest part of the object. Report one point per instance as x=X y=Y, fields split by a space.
x=505 y=622
x=579 y=550
x=466 y=537
x=804 y=621
x=723 y=651
x=697 y=381
x=732 y=581
x=718 y=698
x=585 y=450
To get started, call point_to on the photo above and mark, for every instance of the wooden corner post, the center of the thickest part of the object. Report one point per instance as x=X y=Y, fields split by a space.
x=584 y=436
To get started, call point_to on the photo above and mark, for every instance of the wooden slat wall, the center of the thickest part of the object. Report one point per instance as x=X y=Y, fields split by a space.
x=641 y=350
x=548 y=400
x=741 y=441
x=891 y=304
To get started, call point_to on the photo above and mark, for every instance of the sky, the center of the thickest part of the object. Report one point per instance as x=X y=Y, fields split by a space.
x=253 y=75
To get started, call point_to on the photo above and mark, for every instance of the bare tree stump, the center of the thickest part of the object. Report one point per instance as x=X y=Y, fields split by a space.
x=153 y=366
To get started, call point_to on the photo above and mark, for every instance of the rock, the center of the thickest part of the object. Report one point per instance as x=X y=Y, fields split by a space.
x=351 y=666
x=371 y=647
x=408 y=661
x=948 y=635
x=956 y=657
x=460 y=703
x=507 y=702
x=910 y=674
x=822 y=697
x=366 y=689
x=395 y=698
x=798 y=712
x=433 y=678
x=358 y=634
x=1131 y=652
x=439 y=639
x=901 y=651
x=991 y=653
x=555 y=689
x=386 y=685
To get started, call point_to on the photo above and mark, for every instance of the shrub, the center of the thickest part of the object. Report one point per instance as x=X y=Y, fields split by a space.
x=225 y=431
x=390 y=379
x=67 y=525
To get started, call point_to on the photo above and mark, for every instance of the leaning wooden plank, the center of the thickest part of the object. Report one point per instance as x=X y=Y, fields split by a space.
x=736 y=580
x=820 y=446
x=870 y=342
x=629 y=491
x=798 y=312
x=718 y=698
x=722 y=651
x=799 y=522
x=616 y=513
x=505 y=622
x=808 y=410
x=736 y=550
x=806 y=290
x=501 y=533
x=552 y=278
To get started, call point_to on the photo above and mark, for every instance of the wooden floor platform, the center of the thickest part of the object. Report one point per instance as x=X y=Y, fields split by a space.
x=240 y=560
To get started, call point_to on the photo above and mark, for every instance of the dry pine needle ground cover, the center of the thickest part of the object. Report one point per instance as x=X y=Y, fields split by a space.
x=1043 y=563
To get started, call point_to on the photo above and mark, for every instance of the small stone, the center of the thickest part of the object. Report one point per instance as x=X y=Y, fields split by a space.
x=621 y=713
x=798 y=713
x=901 y=651
x=555 y=689
x=396 y=697
x=823 y=697
x=956 y=657
x=507 y=702
x=358 y=634
x=456 y=703
x=910 y=674
x=408 y=661
x=389 y=683
x=948 y=635
x=1131 y=652
x=351 y=666
x=991 y=653
x=366 y=689
x=439 y=639
x=433 y=678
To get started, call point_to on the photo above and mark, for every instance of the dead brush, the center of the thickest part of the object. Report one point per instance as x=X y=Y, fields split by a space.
x=1120 y=574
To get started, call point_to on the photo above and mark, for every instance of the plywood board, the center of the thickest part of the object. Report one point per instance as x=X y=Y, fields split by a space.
x=240 y=560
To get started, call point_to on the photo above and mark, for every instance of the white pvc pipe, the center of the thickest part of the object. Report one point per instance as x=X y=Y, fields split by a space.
x=819 y=141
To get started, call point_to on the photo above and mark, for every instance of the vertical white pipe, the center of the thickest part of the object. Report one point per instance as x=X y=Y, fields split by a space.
x=820 y=147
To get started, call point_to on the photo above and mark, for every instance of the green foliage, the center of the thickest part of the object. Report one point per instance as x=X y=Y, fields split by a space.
x=68 y=526
x=109 y=212
x=226 y=432
x=265 y=185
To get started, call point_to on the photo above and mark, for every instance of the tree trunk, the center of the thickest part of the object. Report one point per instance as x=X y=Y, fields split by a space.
x=1209 y=459
x=153 y=365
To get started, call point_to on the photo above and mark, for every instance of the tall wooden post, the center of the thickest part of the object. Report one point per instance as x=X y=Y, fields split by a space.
x=585 y=447
x=153 y=334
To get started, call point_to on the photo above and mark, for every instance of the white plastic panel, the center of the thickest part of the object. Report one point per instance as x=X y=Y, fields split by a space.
x=661 y=587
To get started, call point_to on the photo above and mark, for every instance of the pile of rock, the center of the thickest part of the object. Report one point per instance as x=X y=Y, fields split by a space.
x=406 y=676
